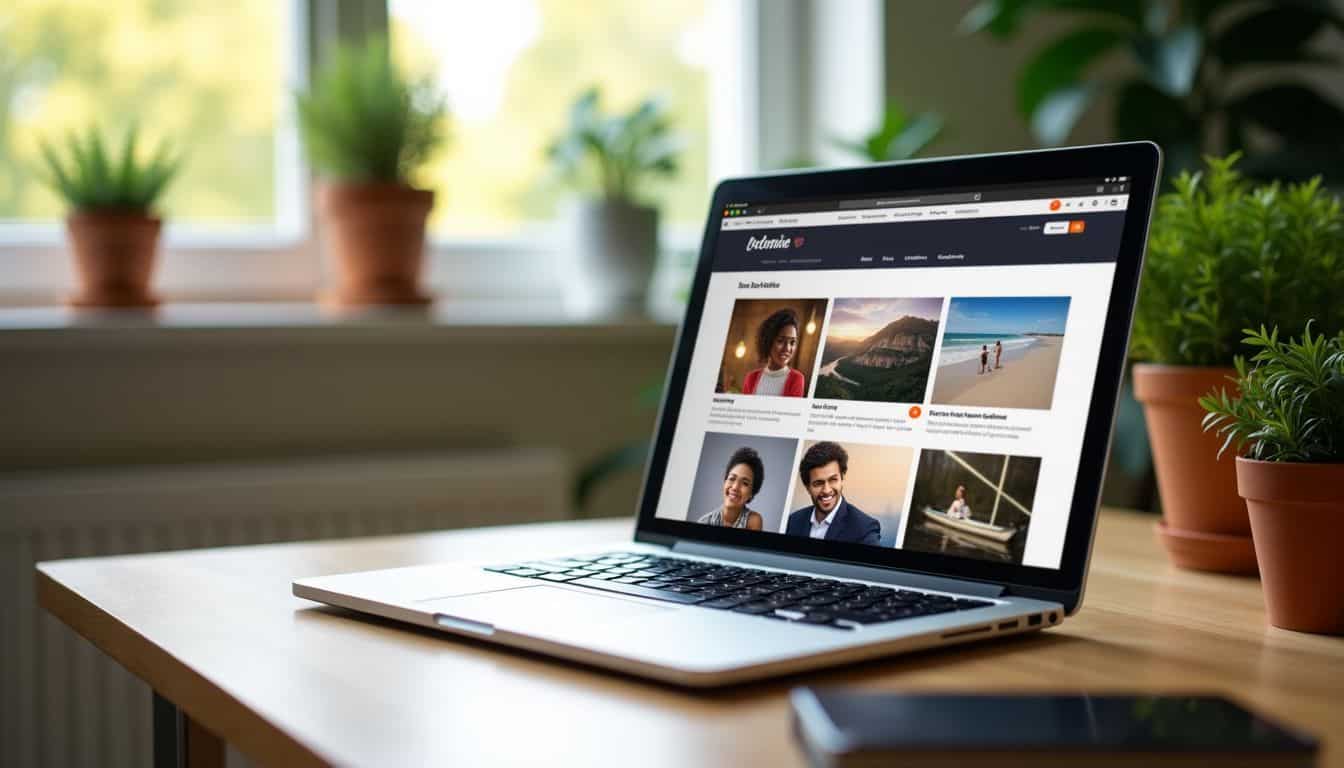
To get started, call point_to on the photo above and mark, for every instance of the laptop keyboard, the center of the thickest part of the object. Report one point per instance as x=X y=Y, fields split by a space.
x=786 y=596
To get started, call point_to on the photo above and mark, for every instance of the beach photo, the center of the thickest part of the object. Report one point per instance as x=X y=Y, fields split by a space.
x=873 y=485
x=972 y=504
x=771 y=347
x=1001 y=352
x=879 y=350
x=742 y=481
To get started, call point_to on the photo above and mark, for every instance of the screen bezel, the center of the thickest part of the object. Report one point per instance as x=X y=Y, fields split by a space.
x=1140 y=161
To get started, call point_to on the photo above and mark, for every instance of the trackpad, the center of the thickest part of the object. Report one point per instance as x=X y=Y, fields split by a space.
x=542 y=609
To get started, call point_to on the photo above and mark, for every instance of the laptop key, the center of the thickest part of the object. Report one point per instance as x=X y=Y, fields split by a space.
x=819 y=600
x=725 y=602
x=637 y=590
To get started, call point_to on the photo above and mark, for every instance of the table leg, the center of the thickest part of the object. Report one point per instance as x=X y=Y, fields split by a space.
x=180 y=741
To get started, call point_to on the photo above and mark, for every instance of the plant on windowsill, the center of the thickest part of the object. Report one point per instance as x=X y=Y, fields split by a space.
x=368 y=129
x=112 y=226
x=1222 y=256
x=613 y=235
x=1286 y=423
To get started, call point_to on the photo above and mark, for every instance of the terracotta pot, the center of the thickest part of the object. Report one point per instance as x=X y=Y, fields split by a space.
x=1198 y=489
x=376 y=235
x=114 y=257
x=1297 y=516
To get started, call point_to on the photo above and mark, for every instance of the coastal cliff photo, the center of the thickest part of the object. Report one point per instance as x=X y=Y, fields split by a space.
x=879 y=350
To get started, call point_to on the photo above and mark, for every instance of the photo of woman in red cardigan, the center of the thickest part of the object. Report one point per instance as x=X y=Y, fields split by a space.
x=776 y=345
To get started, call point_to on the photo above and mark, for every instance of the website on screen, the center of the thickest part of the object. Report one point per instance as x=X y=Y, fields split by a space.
x=911 y=372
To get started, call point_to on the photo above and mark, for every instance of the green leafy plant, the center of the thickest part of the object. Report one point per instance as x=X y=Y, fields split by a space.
x=615 y=154
x=901 y=136
x=1290 y=401
x=91 y=178
x=363 y=120
x=1224 y=255
x=1177 y=72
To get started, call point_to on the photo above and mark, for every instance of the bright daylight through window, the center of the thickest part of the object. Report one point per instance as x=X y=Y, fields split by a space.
x=511 y=68
x=210 y=77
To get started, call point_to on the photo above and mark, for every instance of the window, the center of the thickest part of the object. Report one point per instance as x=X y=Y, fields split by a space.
x=510 y=69
x=213 y=77
x=219 y=77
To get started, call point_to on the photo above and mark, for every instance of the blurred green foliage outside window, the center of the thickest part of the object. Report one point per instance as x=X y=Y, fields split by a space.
x=511 y=69
x=210 y=75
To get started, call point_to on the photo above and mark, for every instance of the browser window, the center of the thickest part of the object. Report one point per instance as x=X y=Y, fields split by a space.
x=911 y=371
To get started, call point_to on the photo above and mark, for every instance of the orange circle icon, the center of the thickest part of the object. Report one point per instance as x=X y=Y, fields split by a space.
x=1054 y=205
x=915 y=412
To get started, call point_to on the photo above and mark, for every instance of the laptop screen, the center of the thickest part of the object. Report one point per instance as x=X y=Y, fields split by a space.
x=909 y=372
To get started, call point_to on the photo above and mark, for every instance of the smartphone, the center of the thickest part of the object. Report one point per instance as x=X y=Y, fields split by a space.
x=856 y=729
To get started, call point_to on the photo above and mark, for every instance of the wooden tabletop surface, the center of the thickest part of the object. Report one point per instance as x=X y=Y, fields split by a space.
x=289 y=682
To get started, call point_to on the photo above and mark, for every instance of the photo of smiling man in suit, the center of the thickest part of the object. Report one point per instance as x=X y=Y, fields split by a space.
x=830 y=517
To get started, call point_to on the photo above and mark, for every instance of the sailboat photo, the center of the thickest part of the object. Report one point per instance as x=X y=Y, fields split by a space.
x=972 y=504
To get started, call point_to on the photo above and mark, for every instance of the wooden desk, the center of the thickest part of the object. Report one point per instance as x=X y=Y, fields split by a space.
x=217 y=633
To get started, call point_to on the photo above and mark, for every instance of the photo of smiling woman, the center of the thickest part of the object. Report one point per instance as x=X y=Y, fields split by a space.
x=776 y=345
x=744 y=474
x=771 y=347
x=741 y=481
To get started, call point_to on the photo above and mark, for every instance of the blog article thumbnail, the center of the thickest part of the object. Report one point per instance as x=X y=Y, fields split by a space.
x=771 y=347
x=1001 y=351
x=742 y=481
x=972 y=504
x=850 y=492
x=879 y=350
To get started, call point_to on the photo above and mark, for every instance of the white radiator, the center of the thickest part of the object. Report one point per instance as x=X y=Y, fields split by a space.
x=62 y=703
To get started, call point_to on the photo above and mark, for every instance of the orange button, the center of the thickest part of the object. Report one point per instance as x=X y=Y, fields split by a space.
x=1054 y=205
x=1076 y=226
x=915 y=412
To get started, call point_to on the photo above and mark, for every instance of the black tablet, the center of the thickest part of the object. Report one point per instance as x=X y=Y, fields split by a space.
x=850 y=728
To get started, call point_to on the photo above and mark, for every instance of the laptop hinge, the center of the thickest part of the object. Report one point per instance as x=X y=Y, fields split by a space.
x=842 y=570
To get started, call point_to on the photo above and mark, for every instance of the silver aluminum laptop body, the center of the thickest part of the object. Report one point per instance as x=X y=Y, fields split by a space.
x=697 y=646
x=686 y=645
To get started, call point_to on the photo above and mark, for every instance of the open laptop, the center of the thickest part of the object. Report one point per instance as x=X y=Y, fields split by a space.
x=884 y=428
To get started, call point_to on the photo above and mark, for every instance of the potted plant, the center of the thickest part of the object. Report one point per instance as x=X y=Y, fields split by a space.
x=1287 y=419
x=112 y=226
x=368 y=129
x=613 y=235
x=1222 y=256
